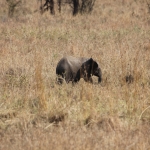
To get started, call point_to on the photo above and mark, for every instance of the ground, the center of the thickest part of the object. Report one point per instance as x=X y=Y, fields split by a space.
x=36 y=113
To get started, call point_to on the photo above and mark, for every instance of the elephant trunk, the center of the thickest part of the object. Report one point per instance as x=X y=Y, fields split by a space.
x=99 y=75
x=99 y=79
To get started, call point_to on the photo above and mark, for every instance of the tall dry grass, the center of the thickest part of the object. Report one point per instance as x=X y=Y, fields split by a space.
x=36 y=113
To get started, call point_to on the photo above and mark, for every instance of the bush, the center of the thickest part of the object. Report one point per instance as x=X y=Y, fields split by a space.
x=78 y=6
x=12 y=4
x=87 y=6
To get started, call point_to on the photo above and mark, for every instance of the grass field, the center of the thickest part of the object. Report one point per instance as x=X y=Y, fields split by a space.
x=36 y=113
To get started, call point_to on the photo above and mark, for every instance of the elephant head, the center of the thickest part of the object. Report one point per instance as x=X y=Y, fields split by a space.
x=87 y=70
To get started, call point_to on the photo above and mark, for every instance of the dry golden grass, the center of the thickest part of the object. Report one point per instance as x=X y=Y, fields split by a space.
x=36 y=113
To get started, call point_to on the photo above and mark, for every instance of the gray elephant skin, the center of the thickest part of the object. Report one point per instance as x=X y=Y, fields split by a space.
x=73 y=69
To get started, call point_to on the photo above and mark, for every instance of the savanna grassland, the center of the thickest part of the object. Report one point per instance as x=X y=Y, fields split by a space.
x=36 y=113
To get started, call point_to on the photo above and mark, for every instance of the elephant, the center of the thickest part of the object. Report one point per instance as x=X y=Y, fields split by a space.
x=71 y=68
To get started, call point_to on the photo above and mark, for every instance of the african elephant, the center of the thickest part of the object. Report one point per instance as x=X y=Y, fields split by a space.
x=72 y=69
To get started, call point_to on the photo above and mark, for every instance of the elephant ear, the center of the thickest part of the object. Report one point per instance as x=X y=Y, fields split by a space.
x=94 y=67
x=89 y=66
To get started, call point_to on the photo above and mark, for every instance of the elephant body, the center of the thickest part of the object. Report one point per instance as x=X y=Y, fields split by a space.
x=72 y=69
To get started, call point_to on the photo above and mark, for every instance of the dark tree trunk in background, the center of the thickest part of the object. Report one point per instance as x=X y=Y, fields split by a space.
x=59 y=5
x=52 y=7
x=12 y=4
x=75 y=7
x=48 y=5
x=87 y=6
x=78 y=6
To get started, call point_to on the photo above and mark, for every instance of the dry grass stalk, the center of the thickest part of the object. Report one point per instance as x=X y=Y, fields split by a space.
x=35 y=112
x=40 y=89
